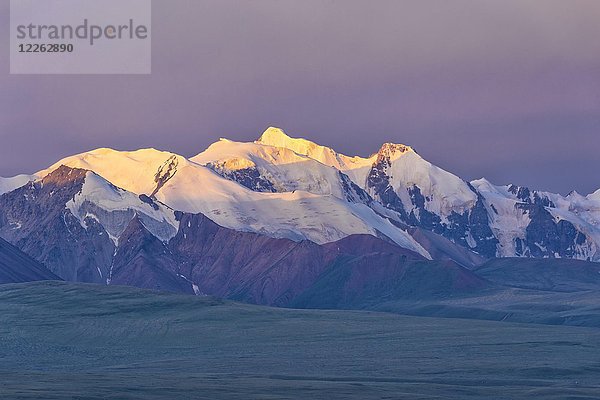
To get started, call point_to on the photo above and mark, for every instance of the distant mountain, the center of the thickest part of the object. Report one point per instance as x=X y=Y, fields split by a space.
x=275 y=220
x=493 y=221
x=536 y=224
x=18 y=267
x=365 y=281
x=557 y=275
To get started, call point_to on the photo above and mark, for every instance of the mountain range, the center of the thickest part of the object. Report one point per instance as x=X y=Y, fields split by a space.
x=281 y=219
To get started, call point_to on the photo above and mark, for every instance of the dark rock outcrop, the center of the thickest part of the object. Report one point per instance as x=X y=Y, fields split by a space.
x=546 y=237
x=528 y=197
x=247 y=177
x=165 y=173
x=378 y=183
x=352 y=192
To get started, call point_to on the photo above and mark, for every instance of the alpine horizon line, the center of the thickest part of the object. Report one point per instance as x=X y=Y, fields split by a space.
x=293 y=188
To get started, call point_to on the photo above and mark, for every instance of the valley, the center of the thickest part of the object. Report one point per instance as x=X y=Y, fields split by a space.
x=65 y=340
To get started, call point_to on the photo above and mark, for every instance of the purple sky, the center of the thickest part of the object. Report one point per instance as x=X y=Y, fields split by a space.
x=509 y=90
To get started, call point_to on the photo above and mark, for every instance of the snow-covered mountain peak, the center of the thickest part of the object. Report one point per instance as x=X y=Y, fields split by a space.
x=392 y=151
x=274 y=134
x=278 y=138
x=138 y=171
x=574 y=195
x=356 y=167
x=482 y=182
x=265 y=168
x=406 y=171
x=398 y=164
x=241 y=155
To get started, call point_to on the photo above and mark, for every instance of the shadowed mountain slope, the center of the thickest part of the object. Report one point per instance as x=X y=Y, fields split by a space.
x=559 y=275
x=17 y=267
